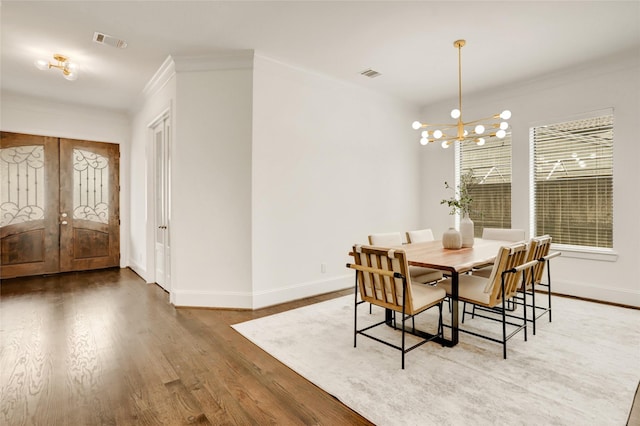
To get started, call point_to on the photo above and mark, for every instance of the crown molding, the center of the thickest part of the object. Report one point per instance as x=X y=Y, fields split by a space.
x=238 y=59
x=160 y=78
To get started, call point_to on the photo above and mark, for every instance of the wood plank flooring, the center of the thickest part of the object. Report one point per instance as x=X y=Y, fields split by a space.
x=105 y=348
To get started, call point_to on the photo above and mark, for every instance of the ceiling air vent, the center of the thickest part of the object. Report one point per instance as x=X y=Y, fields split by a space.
x=101 y=38
x=370 y=73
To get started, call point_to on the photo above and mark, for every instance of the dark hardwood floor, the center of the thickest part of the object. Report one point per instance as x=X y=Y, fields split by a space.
x=104 y=347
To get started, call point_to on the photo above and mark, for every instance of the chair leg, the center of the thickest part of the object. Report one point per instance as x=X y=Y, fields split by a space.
x=403 y=340
x=404 y=299
x=549 y=287
x=533 y=303
x=440 y=325
x=504 y=328
x=504 y=322
x=464 y=310
x=355 y=313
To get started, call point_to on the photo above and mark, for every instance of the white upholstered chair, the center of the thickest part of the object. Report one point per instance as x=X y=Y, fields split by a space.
x=382 y=279
x=490 y=294
x=418 y=274
x=420 y=235
x=502 y=234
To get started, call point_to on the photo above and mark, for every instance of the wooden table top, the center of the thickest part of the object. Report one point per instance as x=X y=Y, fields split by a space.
x=431 y=254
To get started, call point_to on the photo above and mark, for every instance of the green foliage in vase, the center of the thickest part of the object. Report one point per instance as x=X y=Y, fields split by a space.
x=461 y=200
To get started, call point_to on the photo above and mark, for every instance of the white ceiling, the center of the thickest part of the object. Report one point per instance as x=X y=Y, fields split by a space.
x=409 y=43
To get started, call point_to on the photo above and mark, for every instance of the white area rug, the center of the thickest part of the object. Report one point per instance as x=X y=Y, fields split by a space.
x=581 y=369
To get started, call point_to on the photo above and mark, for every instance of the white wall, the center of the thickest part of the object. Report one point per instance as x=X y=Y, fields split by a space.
x=608 y=83
x=332 y=163
x=211 y=188
x=36 y=116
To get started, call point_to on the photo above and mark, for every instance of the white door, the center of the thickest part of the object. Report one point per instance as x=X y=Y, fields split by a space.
x=161 y=144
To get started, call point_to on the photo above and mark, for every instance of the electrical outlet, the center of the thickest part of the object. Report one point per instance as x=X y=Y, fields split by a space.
x=323 y=267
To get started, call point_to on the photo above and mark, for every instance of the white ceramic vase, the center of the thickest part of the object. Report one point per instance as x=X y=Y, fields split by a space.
x=451 y=239
x=466 y=230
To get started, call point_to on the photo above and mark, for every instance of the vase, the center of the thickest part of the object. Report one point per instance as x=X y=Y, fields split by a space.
x=467 y=231
x=451 y=239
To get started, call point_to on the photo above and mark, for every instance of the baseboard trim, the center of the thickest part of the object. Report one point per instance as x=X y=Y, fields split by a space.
x=300 y=291
x=257 y=300
x=138 y=269
x=211 y=299
x=597 y=293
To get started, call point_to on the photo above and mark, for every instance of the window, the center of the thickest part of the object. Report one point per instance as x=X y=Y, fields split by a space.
x=490 y=165
x=572 y=181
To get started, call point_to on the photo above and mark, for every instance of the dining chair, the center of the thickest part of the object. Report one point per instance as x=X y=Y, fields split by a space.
x=420 y=235
x=539 y=250
x=425 y=235
x=382 y=279
x=502 y=234
x=418 y=274
x=491 y=294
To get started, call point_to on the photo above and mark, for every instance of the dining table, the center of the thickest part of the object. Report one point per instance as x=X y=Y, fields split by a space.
x=452 y=262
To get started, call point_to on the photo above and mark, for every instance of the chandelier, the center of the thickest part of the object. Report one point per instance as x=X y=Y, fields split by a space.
x=470 y=131
x=69 y=69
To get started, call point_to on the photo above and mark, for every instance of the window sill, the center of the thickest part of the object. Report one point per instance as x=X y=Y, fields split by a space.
x=588 y=253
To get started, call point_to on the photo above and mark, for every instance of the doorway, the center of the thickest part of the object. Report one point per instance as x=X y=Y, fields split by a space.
x=59 y=203
x=162 y=165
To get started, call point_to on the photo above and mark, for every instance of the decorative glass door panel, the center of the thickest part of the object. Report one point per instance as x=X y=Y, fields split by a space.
x=22 y=173
x=28 y=204
x=58 y=205
x=90 y=186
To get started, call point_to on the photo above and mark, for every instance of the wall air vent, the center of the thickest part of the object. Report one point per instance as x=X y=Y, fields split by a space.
x=101 y=38
x=370 y=73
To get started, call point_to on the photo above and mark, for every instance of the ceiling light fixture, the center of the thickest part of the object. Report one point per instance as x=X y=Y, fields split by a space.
x=470 y=131
x=69 y=69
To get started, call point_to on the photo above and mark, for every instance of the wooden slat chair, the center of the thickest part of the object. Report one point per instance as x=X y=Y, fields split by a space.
x=418 y=274
x=539 y=248
x=425 y=235
x=491 y=294
x=382 y=279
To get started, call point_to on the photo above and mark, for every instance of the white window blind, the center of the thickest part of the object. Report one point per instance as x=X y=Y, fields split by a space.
x=573 y=181
x=490 y=165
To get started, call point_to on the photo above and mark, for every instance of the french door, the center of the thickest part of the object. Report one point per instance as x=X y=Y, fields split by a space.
x=162 y=165
x=59 y=205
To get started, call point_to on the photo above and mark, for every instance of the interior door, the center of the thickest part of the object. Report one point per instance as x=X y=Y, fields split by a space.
x=89 y=205
x=161 y=134
x=59 y=205
x=29 y=229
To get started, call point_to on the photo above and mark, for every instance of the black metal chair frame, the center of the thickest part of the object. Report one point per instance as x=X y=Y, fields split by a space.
x=519 y=300
x=502 y=311
x=405 y=316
